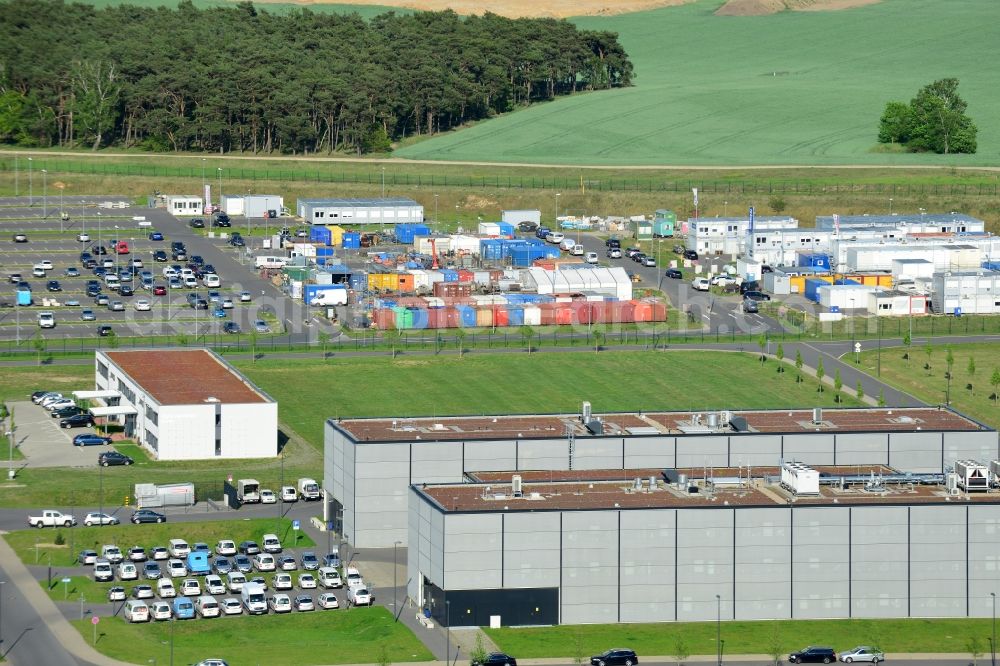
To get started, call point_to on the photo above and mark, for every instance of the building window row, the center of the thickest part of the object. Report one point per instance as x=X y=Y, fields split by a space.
x=152 y=416
x=126 y=392
x=151 y=441
x=102 y=369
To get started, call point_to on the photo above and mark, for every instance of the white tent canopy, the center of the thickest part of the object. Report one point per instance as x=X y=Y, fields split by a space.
x=96 y=395
x=118 y=410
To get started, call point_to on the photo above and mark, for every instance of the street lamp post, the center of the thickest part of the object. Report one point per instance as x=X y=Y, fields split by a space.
x=890 y=205
x=395 y=596
x=203 y=181
x=220 y=187
x=558 y=194
x=31 y=191
x=17 y=178
x=45 y=193
x=993 y=643
x=173 y=621
x=100 y=509
x=435 y=209
x=725 y=209
x=383 y=182
x=718 y=627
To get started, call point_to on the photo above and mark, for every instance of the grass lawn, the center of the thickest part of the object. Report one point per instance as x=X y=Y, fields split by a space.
x=970 y=392
x=523 y=383
x=777 y=637
x=17 y=383
x=351 y=636
x=779 y=102
x=127 y=535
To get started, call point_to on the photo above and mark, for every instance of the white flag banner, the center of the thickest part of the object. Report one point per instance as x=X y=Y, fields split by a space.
x=694 y=191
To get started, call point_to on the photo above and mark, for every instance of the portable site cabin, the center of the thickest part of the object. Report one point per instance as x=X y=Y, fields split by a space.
x=185 y=204
x=360 y=211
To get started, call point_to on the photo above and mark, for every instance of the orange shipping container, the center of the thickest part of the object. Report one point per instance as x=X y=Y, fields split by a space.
x=501 y=317
x=406 y=283
x=484 y=316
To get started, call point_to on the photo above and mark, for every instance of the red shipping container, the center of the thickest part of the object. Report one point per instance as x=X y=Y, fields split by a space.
x=602 y=312
x=659 y=310
x=384 y=318
x=465 y=275
x=547 y=264
x=496 y=276
x=501 y=317
x=583 y=313
x=564 y=315
x=548 y=313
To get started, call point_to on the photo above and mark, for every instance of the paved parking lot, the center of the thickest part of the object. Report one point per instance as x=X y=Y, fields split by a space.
x=45 y=444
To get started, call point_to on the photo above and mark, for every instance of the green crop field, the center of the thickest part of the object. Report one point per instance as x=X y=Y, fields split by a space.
x=789 y=88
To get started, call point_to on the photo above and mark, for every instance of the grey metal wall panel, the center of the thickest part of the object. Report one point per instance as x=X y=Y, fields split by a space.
x=763 y=586
x=414 y=581
x=704 y=563
x=984 y=558
x=820 y=559
x=757 y=450
x=863 y=449
x=879 y=577
x=710 y=451
x=437 y=540
x=379 y=487
x=436 y=462
x=812 y=449
x=425 y=546
x=649 y=452
x=980 y=446
x=543 y=454
x=472 y=551
x=597 y=453
x=490 y=456
x=648 y=562
x=915 y=451
x=531 y=550
x=347 y=491
x=937 y=561
x=589 y=567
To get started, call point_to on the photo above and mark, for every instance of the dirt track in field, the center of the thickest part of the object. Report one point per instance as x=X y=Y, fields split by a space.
x=763 y=7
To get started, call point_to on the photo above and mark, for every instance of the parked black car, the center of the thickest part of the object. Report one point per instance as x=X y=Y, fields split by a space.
x=65 y=411
x=236 y=241
x=53 y=285
x=615 y=657
x=674 y=274
x=77 y=421
x=231 y=327
x=197 y=223
x=612 y=242
x=104 y=331
x=112 y=458
x=147 y=516
x=126 y=290
x=756 y=296
x=691 y=254
x=813 y=655
x=99 y=249
x=495 y=659
x=159 y=255
x=249 y=548
x=526 y=226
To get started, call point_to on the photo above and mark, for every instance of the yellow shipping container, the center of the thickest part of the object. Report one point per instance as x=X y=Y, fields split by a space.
x=336 y=234
x=383 y=281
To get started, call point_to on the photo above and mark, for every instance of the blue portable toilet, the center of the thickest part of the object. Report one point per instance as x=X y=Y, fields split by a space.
x=23 y=296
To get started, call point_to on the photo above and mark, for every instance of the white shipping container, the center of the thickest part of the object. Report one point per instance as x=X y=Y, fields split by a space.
x=421 y=279
x=489 y=229
x=532 y=315
x=465 y=244
x=423 y=244
x=483 y=277
x=845 y=296
x=304 y=249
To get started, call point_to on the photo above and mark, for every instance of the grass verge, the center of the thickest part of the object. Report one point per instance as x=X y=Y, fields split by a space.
x=25 y=542
x=774 y=638
x=923 y=374
x=359 y=635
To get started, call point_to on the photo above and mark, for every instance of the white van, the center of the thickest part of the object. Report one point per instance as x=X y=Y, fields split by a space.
x=112 y=281
x=178 y=548
x=354 y=578
x=165 y=588
x=235 y=581
x=577 y=250
x=46 y=320
x=136 y=611
x=112 y=553
x=206 y=606
x=329 y=578
x=127 y=571
x=700 y=284
x=270 y=262
x=103 y=571
x=591 y=258
x=329 y=297
x=270 y=543
x=211 y=280
x=254 y=599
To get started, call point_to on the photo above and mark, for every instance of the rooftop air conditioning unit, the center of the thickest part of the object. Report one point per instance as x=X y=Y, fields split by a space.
x=515 y=485
x=585 y=412
x=817 y=415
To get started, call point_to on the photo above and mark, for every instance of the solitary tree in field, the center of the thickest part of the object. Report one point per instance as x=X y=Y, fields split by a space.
x=933 y=121
x=820 y=373
x=995 y=381
x=970 y=370
x=798 y=365
x=975 y=648
x=777 y=204
x=762 y=343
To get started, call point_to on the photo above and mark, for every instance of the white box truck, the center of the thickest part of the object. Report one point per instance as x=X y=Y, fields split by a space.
x=248 y=491
x=308 y=489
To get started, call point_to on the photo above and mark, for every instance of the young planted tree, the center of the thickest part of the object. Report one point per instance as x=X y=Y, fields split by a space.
x=860 y=391
x=38 y=342
x=881 y=398
x=527 y=333
x=460 y=335
x=681 y=649
x=477 y=655
x=762 y=343
x=780 y=354
x=393 y=337
x=838 y=384
x=995 y=381
x=820 y=373
x=775 y=649
x=975 y=648
x=798 y=365
x=324 y=340
x=907 y=341
x=598 y=338
x=970 y=369
x=928 y=350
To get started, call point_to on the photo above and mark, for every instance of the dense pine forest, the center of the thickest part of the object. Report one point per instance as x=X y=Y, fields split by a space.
x=243 y=79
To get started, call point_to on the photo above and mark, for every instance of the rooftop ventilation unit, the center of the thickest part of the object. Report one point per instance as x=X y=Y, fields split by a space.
x=712 y=420
x=817 y=415
x=739 y=424
x=595 y=427
x=585 y=412
x=799 y=479
x=972 y=476
x=515 y=485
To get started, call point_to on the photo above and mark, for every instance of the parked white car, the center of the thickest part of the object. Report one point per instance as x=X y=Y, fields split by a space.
x=206 y=606
x=282 y=581
x=127 y=571
x=235 y=581
x=354 y=578
x=214 y=585
x=160 y=610
x=190 y=587
x=165 y=588
x=307 y=582
x=176 y=568
x=359 y=596
x=136 y=611
x=268 y=497
x=142 y=305
x=700 y=284
x=263 y=562
x=327 y=601
x=280 y=603
x=225 y=547
x=179 y=548
x=329 y=577
x=231 y=606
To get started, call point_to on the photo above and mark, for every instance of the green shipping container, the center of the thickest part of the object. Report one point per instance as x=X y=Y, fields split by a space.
x=298 y=273
x=642 y=230
x=404 y=318
x=664 y=223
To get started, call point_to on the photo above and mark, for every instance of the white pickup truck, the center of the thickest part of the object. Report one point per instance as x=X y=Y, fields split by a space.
x=50 y=518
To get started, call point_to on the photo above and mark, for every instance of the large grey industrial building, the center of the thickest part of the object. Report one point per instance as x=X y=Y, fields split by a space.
x=395 y=210
x=575 y=538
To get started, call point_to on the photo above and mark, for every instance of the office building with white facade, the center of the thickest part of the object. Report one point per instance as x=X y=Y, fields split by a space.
x=185 y=404
x=396 y=210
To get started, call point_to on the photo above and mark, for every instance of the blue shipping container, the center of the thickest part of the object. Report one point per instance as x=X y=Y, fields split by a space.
x=420 y=318
x=467 y=314
x=506 y=229
x=991 y=265
x=811 y=288
x=814 y=260
x=324 y=252
x=359 y=281
x=405 y=233
x=319 y=234
x=310 y=291
x=845 y=281
x=449 y=275
x=23 y=296
x=516 y=315
x=351 y=240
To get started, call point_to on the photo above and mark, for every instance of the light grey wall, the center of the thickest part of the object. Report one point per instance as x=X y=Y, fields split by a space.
x=764 y=563
x=374 y=491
